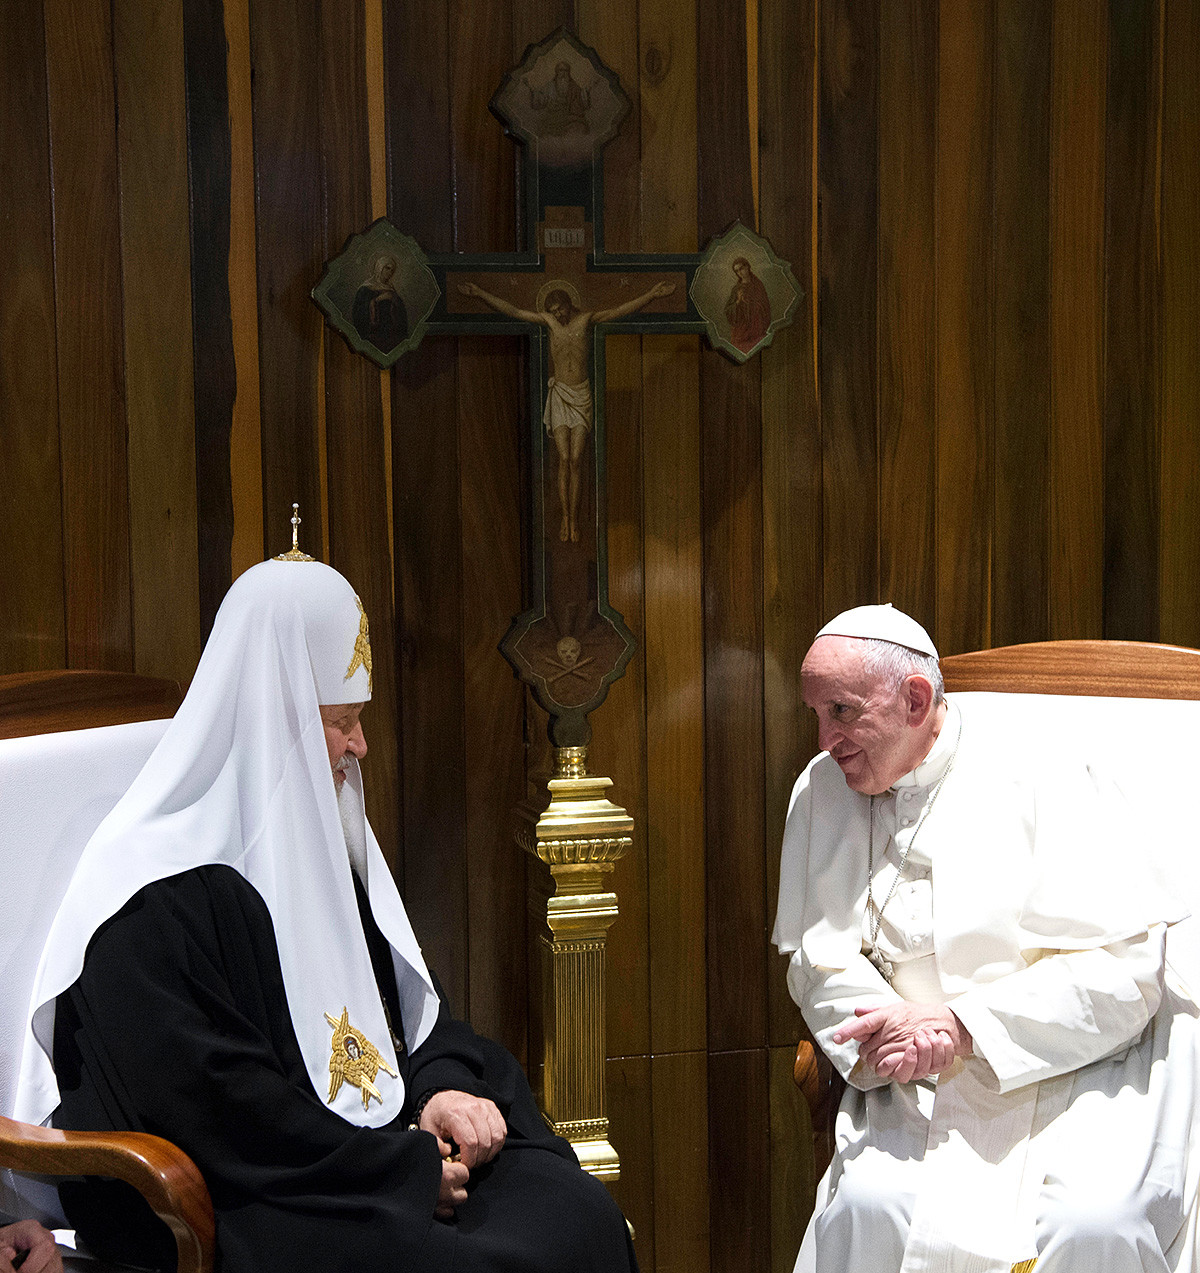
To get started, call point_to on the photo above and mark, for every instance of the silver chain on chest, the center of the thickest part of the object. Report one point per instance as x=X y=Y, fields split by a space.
x=886 y=967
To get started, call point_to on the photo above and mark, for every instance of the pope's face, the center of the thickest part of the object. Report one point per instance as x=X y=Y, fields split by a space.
x=875 y=734
x=343 y=737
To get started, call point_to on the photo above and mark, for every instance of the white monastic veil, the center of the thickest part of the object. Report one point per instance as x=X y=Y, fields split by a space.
x=242 y=777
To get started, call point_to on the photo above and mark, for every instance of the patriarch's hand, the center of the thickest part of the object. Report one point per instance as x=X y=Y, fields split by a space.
x=28 y=1241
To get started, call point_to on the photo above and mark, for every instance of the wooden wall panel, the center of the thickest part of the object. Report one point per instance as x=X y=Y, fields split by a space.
x=285 y=51
x=250 y=542
x=964 y=324
x=1021 y=274
x=1131 y=356
x=731 y=511
x=793 y=1180
x=157 y=309
x=618 y=748
x=673 y=831
x=1179 y=409
x=33 y=634
x=426 y=514
x=1075 y=536
x=87 y=263
x=214 y=371
x=791 y=480
x=682 y=1185
x=491 y=421
x=629 y=1087
x=739 y=1144
x=491 y=426
x=908 y=86
x=673 y=638
x=357 y=481
x=848 y=181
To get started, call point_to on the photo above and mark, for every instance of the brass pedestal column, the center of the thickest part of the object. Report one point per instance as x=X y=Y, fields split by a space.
x=571 y=826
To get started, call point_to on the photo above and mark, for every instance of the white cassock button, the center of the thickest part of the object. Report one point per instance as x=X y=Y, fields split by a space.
x=906 y=822
x=906 y=795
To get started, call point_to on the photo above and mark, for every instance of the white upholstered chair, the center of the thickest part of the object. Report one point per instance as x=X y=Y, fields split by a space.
x=70 y=745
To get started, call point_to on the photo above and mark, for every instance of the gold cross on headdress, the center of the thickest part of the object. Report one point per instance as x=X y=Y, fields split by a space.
x=362 y=649
x=295 y=554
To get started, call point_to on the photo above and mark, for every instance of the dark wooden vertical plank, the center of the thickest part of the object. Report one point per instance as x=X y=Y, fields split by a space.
x=673 y=638
x=964 y=319
x=1180 y=407
x=1021 y=271
x=628 y=1083
x=284 y=45
x=358 y=505
x=731 y=458
x=213 y=368
x=491 y=428
x=33 y=627
x=491 y=422
x=1075 y=558
x=792 y=597
x=682 y=1183
x=152 y=156
x=87 y=252
x=793 y=1180
x=908 y=79
x=250 y=540
x=739 y=1146
x=618 y=747
x=848 y=177
x=1131 y=350
x=425 y=457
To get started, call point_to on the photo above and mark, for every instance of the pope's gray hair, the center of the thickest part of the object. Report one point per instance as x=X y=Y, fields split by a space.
x=896 y=663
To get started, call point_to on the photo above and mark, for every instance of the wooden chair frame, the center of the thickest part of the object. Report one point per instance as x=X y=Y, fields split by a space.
x=1107 y=669
x=48 y=702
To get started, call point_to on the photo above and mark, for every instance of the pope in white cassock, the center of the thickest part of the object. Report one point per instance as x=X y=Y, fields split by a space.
x=973 y=947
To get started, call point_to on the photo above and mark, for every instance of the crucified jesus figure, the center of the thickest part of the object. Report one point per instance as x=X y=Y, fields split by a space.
x=568 y=413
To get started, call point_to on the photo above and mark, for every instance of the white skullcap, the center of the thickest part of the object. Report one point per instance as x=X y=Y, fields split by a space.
x=881 y=623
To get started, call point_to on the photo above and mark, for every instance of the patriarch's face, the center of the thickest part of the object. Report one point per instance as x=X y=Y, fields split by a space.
x=343 y=737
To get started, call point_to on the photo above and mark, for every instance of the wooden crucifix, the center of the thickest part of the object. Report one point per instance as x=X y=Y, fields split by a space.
x=565 y=293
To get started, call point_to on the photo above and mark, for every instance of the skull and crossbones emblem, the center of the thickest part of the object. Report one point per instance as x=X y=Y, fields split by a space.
x=568 y=662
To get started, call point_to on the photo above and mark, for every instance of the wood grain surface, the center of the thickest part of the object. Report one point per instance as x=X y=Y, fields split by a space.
x=157 y=310
x=90 y=344
x=1132 y=326
x=1075 y=535
x=32 y=600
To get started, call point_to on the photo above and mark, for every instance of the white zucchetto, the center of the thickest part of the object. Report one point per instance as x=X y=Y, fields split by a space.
x=881 y=623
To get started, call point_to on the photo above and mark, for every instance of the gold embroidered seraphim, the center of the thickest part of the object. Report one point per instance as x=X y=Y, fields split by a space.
x=354 y=1059
x=362 y=648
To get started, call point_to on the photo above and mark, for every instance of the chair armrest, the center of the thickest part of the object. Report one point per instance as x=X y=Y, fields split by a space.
x=163 y=1174
x=822 y=1087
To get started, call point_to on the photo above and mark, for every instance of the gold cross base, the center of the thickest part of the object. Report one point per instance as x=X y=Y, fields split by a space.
x=576 y=833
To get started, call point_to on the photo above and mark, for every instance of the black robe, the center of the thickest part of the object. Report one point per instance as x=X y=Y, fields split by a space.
x=179 y=1026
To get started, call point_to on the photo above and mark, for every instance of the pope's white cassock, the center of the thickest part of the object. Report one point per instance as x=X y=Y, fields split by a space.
x=1069 y=1135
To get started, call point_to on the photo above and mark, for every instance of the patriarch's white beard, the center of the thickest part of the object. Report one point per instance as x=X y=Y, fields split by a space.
x=350 y=810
